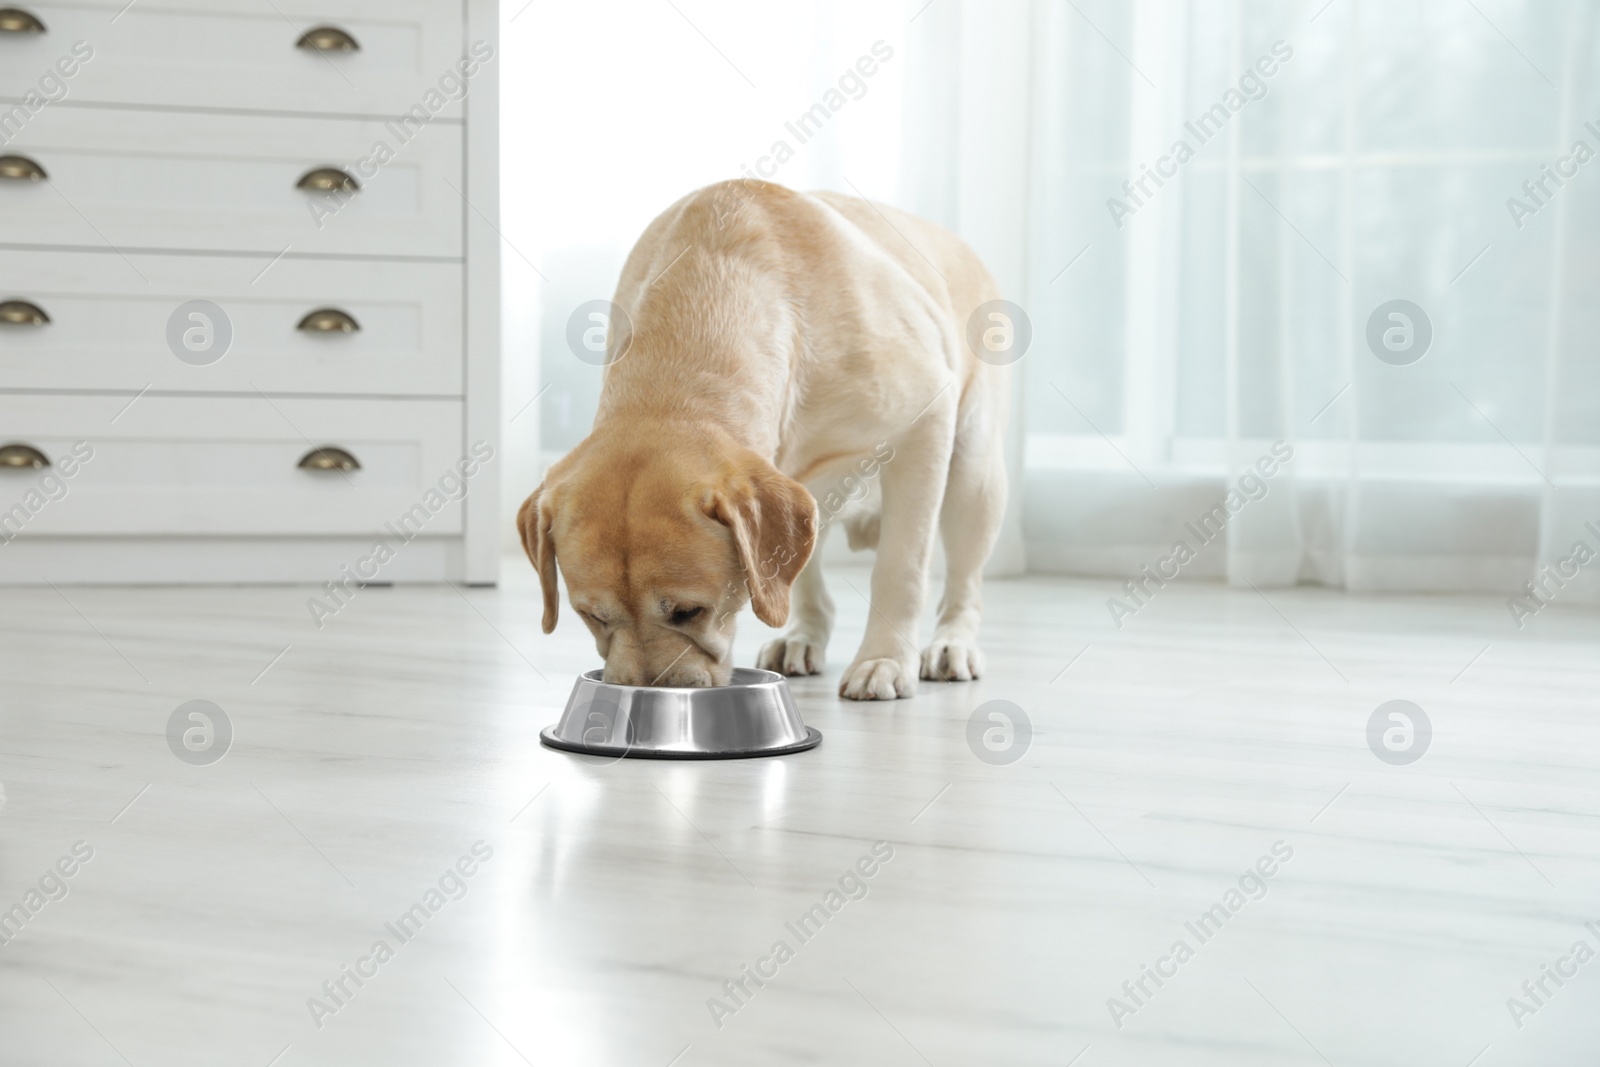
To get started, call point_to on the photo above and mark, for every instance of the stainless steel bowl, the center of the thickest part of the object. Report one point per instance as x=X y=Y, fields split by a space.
x=753 y=716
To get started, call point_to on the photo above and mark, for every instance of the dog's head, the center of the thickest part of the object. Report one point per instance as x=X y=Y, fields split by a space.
x=663 y=538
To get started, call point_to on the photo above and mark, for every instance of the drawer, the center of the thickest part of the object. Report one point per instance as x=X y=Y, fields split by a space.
x=191 y=465
x=110 y=330
x=243 y=54
x=134 y=180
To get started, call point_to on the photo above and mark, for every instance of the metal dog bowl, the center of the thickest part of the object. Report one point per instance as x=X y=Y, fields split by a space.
x=753 y=716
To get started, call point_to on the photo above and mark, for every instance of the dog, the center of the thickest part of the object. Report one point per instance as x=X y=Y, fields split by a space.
x=769 y=349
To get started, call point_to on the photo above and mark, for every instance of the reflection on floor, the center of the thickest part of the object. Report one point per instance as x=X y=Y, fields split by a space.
x=1198 y=857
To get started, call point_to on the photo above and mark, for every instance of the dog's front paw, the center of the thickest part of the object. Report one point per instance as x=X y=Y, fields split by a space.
x=792 y=654
x=952 y=659
x=878 y=679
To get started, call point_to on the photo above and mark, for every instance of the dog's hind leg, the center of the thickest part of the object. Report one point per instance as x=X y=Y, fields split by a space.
x=801 y=650
x=969 y=523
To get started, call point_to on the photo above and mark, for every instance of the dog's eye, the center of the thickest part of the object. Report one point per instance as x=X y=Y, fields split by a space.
x=686 y=615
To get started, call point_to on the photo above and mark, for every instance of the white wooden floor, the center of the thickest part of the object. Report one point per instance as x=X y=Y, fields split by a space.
x=1167 y=760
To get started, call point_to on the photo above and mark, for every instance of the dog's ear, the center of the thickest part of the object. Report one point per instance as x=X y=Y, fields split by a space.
x=774 y=525
x=533 y=522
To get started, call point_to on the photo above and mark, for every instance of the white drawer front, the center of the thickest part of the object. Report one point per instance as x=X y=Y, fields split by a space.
x=110 y=330
x=242 y=54
x=189 y=465
x=228 y=183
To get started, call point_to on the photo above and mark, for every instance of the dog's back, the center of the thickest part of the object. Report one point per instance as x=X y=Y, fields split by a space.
x=849 y=294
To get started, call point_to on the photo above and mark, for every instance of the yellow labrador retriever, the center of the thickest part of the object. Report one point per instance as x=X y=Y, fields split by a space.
x=771 y=349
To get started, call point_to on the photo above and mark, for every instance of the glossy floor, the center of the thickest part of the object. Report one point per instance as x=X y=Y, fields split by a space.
x=1202 y=776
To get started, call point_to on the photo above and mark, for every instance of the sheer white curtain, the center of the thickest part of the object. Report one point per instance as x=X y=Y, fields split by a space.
x=1337 y=158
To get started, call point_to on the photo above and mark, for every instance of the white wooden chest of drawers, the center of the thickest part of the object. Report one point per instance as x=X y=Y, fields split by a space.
x=227 y=183
x=249 y=290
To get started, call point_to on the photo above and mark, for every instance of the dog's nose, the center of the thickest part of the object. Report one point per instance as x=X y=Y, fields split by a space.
x=676 y=675
x=696 y=675
x=679 y=671
x=686 y=677
x=620 y=675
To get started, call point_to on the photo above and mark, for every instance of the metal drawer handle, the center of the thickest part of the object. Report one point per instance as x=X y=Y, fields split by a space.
x=328 y=458
x=22 y=169
x=329 y=320
x=22 y=313
x=327 y=39
x=16 y=20
x=328 y=180
x=23 y=456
